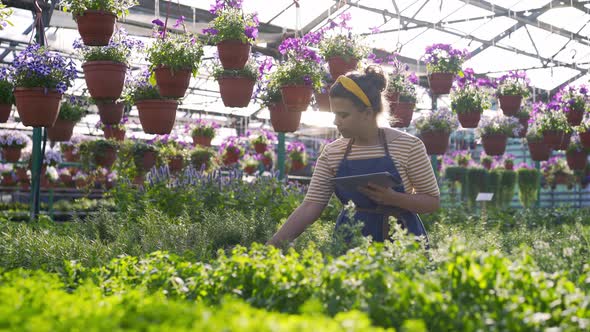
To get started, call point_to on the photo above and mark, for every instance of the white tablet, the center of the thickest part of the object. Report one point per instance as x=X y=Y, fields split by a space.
x=351 y=183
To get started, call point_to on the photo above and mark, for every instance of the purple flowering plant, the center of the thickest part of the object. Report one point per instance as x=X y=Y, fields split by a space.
x=52 y=157
x=233 y=145
x=4 y=14
x=120 y=48
x=73 y=108
x=468 y=96
x=140 y=86
x=499 y=124
x=14 y=139
x=514 y=83
x=401 y=80
x=231 y=23
x=572 y=98
x=37 y=67
x=74 y=143
x=203 y=127
x=440 y=120
x=343 y=44
x=442 y=58
x=584 y=126
x=297 y=152
x=576 y=145
x=261 y=137
x=117 y=7
x=6 y=87
x=547 y=117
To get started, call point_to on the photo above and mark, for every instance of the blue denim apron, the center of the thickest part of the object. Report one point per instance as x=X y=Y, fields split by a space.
x=375 y=218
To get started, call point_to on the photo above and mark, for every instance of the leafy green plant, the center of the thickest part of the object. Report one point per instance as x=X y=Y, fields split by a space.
x=506 y=188
x=528 y=186
x=346 y=46
x=73 y=109
x=403 y=83
x=513 y=84
x=139 y=149
x=202 y=158
x=469 y=98
x=204 y=128
x=250 y=71
x=78 y=7
x=499 y=124
x=439 y=120
x=442 y=58
x=231 y=23
x=477 y=181
x=547 y=119
x=176 y=52
x=90 y=149
x=298 y=72
x=271 y=94
x=6 y=87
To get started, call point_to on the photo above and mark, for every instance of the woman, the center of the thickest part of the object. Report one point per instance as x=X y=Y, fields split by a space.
x=364 y=148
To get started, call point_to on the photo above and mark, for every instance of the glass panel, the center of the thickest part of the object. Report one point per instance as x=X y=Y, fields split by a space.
x=450 y=10
x=582 y=80
x=416 y=47
x=485 y=29
x=547 y=43
x=550 y=78
x=574 y=52
x=494 y=59
x=568 y=18
x=520 y=5
x=309 y=10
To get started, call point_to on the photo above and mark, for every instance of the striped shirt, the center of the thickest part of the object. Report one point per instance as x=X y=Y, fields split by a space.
x=407 y=152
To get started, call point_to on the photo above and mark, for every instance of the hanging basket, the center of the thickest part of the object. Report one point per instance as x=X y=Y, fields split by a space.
x=202 y=140
x=106 y=158
x=296 y=97
x=339 y=65
x=402 y=114
x=70 y=156
x=233 y=54
x=565 y=142
x=552 y=138
x=510 y=104
x=440 y=83
x=104 y=79
x=176 y=163
x=494 y=144
x=577 y=160
x=96 y=27
x=147 y=161
x=322 y=101
x=574 y=117
x=392 y=98
x=236 y=91
x=436 y=142
x=524 y=122
x=11 y=154
x=5 y=112
x=283 y=121
x=114 y=132
x=157 y=116
x=61 y=131
x=469 y=119
x=260 y=147
x=585 y=139
x=110 y=112
x=37 y=107
x=539 y=151
x=297 y=165
x=172 y=84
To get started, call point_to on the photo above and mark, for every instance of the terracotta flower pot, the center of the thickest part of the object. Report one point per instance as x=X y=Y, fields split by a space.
x=70 y=156
x=296 y=97
x=172 y=84
x=157 y=116
x=552 y=138
x=37 y=107
x=283 y=121
x=297 y=165
x=139 y=179
x=260 y=147
x=510 y=104
x=233 y=54
x=565 y=142
x=440 y=83
x=392 y=98
x=230 y=158
x=5 y=112
x=104 y=79
x=585 y=139
x=577 y=160
x=236 y=91
x=8 y=180
x=469 y=119
x=21 y=174
x=574 y=117
x=266 y=161
x=175 y=164
x=96 y=27
x=11 y=154
x=202 y=140
x=402 y=114
x=436 y=142
x=250 y=170
x=495 y=144
x=524 y=122
x=106 y=158
x=110 y=113
x=61 y=131
x=322 y=101
x=487 y=164
x=509 y=165
x=148 y=160
x=114 y=133
x=339 y=65
x=539 y=151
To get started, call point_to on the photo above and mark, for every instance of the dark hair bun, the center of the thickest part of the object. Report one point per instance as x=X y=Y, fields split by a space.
x=377 y=77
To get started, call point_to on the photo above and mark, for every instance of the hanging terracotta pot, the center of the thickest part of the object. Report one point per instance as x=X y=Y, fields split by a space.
x=339 y=65
x=96 y=27
x=283 y=121
x=139 y=179
x=440 y=83
x=469 y=119
x=436 y=142
x=297 y=165
x=565 y=142
x=552 y=138
x=233 y=54
x=524 y=122
x=8 y=180
x=236 y=91
x=104 y=79
x=577 y=160
x=147 y=161
x=61 y=131
x=260 y=147
x=110 y=112
x=402 y=114
x=296 y=98
x=202 y=140
x=585 y=139
x=510 y=104
x=392 y=98
x=105 y=158
x=266 y=161
x=230 y=156
x=37 y=107
x=69 y=155
x=5 y=112
x=574 y=117
x=494 y=144
x=172 y=84
x=539 y=151
x=11 y=154
x=176 y=163
x=157 y=116
x=21 y=173
x=322 y=101
x=66 y=179
x=509 y=165
x=113 y=132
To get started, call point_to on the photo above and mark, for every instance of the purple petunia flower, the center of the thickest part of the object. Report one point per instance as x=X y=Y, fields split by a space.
x=251 y=32
x=158 y=22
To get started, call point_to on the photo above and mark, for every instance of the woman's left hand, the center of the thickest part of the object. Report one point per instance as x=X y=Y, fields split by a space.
x=379 y=194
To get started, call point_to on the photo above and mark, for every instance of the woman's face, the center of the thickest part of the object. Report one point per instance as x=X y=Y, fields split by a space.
x=347 y=117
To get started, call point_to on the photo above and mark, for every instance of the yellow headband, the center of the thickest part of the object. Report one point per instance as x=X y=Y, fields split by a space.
x=351 y=86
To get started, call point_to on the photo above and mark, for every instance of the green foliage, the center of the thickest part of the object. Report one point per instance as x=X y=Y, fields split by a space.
x=400 y=83
x=231 y=24
x=6 y=96
x=552 y=121
x=272 y=93
x=78 y=7
x=299 y=72
x=176 y=52
x=469 y=99
x=506 y=189
x=528 y=186
x=72 y=111
x=91 y=148
x=344 y=46
x=202 y=158
x=477 y=181
x=249 y=71
x=139 y=149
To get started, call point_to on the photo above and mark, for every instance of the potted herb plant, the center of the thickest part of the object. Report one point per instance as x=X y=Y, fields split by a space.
x=12 y=142
x=434 y=130
x=71 y=111
x=8 y=175
x=203 y=132
x=173 y=59
x=342 y=52
x=282 y=121
x=233 y=32
x=96 y=18
x=202 y=158
x=40 y=78
x=401 y=94
x=576 y=154
x=573 y=101
x=6 y=95
x=468 y=102
x=236 y=85
x=556 y=171
x=554 y=125
x=511 y=90
x=173 y=154
x=486 y=160
x=538 y=149
x=494 y=133
x=297 y=155
x=443 y=63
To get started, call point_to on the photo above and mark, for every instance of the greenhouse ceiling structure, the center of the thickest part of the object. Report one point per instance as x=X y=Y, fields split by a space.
x=547 y=39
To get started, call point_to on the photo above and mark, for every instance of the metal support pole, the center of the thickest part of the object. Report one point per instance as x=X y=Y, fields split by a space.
x=281 y=155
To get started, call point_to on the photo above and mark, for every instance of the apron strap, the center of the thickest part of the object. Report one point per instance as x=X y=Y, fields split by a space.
x=385 y=143
x=348 y=148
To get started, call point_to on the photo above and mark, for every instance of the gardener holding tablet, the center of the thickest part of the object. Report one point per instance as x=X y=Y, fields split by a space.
x=364 y=148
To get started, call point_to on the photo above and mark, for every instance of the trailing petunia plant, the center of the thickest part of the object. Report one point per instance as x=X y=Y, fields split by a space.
x=4 y=14
x=14 y=139
x=402 y=81
x=442 y=58
x=36 y=67
x=468 y=95
x=533 y=133
x=204 y=128
x=572 y=98
x=140 y=87
x=514 y=83
x=440 y=120
x=548 y=118
x=231 y=23
x=120 y=48
x=344 y=45
x=499 y=124
x=297 y=152
x=576 y=145
x=117 y=7
x=6 y=87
